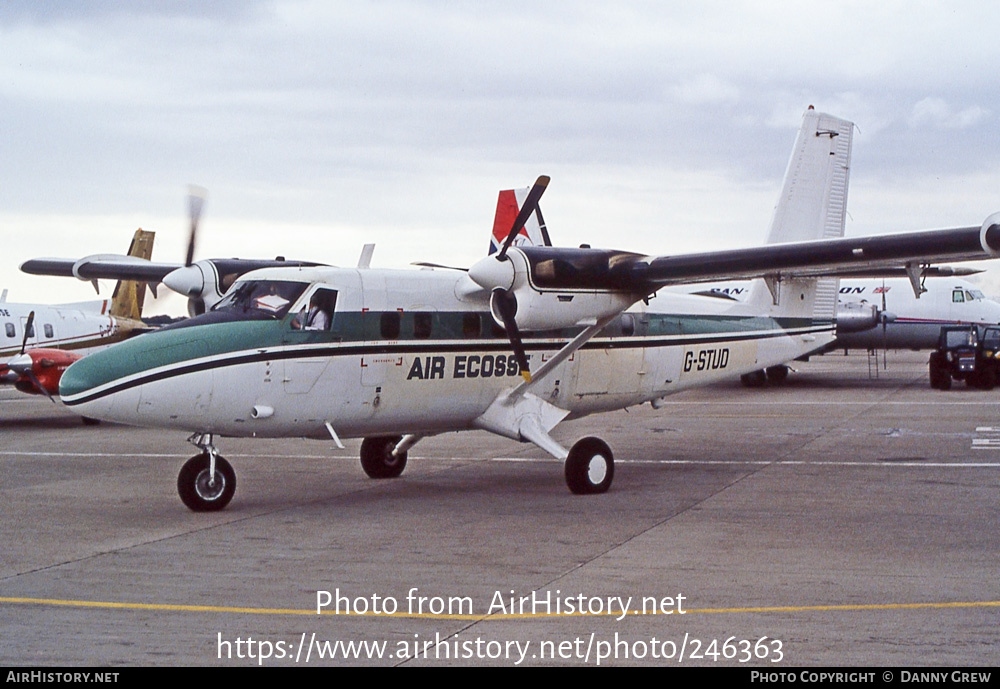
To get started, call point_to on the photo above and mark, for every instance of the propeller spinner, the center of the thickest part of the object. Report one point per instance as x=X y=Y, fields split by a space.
x=23 y=364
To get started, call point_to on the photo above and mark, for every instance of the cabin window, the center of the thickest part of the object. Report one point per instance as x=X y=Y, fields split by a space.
x=471 y=325
x=628 y=324
x=10 y=330
x=422 y=325
x=48 y=331
x=958 y=296
x=389 y=325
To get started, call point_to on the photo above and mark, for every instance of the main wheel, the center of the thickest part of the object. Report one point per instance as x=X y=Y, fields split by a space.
x=202 y=492
x=590 y=467
x=776 y=375
x=754 y=379
x=377 y=459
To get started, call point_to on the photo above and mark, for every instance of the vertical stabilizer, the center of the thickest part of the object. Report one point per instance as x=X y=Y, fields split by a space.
x=126 y=302
x=812 y=205
x=813 y=201
x=509 y=204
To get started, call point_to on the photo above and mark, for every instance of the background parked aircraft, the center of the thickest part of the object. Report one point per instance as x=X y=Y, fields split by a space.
x=202 y=282
x=909 y=323
x=38 y=341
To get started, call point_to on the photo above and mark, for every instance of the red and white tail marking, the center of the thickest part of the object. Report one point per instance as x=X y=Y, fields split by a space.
x=509 y=204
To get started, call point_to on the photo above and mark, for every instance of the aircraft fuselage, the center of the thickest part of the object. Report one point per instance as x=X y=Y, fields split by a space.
x=411 y=352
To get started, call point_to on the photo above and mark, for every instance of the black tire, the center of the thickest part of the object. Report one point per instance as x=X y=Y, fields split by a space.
x=988 y=378
x=377 y=459
x=776 y=375
x=590 y=467
x=195 y=490
x=939 y=375
x=754 y=379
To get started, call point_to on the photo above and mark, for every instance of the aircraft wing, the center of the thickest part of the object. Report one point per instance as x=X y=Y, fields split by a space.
x=824 y=257
x=118 y=267
x=620 y=271
x=104 y=267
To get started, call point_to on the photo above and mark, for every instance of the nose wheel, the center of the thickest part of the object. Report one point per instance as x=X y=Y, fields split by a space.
x=201 y=489
x=590 y=467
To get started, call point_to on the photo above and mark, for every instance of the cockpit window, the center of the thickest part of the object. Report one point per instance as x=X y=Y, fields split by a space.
x=267 y=298
x=958 y=296
x=977 y=294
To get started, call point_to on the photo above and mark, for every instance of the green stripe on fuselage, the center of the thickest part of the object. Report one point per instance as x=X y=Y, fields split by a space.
x=169 y=347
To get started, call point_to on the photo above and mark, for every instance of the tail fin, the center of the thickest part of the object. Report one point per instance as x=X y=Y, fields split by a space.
x=508 y=206
x=126 y=302
x=812 y=205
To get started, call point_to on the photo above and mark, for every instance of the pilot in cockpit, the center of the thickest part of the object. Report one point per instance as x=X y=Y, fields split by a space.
x=316 y=317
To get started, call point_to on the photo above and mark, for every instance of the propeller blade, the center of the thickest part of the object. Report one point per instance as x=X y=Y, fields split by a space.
x=196 y=202
x=27 y=329
x=530 y=204
x=507 y=307
x=30 y=375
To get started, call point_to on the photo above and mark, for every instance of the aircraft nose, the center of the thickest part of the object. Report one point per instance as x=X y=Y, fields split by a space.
x=83 y=376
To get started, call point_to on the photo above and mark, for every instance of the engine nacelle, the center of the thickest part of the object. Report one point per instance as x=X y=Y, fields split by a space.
x=556 y=310
x=557 y=288
x=855 y=317
x=47 y=367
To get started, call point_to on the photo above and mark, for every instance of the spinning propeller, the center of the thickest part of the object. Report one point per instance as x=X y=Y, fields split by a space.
x=190 y=280
x=498 y=271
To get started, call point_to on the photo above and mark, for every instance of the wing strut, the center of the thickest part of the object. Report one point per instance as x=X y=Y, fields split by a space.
x=518 y=414
x=914 y=271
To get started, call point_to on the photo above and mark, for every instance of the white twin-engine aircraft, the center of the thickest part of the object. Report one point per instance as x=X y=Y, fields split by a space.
x=525 y=338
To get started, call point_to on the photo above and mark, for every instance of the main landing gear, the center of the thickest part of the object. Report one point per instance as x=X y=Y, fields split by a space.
x=378 y=460
x=589 y=469
x=206 y=482
x=774 y=375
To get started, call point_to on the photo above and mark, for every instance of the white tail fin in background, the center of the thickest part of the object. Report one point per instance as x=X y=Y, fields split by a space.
x=812 y=205
x=508 y=206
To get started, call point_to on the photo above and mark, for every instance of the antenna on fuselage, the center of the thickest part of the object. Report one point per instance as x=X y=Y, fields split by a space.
x=365 y=260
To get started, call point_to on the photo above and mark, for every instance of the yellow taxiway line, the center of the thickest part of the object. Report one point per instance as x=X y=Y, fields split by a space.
x=166 y=607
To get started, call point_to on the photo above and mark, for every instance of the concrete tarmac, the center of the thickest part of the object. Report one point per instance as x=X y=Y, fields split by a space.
x=838 y=520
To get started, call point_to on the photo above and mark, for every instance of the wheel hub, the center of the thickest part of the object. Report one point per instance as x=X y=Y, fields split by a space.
x=209 y=487
x=597 y=469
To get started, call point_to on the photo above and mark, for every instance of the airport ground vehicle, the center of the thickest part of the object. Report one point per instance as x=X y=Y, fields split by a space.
x=965 y=353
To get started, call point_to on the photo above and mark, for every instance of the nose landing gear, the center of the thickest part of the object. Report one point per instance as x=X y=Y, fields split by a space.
x=206 y=482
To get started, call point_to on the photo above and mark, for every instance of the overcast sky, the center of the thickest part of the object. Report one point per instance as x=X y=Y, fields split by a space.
x=319 y=126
